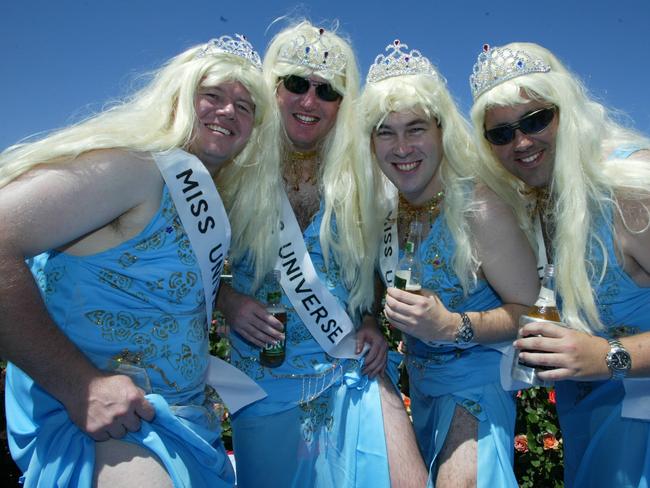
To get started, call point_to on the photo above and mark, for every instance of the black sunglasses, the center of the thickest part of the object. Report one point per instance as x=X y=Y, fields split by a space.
x=299 y=85
x=533 y=123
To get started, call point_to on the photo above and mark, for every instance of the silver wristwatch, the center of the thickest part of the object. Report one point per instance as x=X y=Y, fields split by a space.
x=465 y=331
x=618 y=360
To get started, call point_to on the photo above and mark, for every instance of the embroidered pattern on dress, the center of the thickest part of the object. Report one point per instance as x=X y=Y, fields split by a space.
x=315 y=415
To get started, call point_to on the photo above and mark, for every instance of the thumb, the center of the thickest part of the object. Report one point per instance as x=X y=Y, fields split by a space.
x=145 y=410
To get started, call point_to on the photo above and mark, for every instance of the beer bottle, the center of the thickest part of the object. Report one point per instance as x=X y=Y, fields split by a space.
x=272 y=354
x=408 y=275
x=545 y=309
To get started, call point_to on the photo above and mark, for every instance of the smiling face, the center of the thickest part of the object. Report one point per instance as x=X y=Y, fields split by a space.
x=408 y=149
x=529 y=157
x=225 y=114
x=306 y=118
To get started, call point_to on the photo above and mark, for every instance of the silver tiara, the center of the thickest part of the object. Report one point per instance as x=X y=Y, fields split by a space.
x=499 y=64
x=238 y=45
x=315 y=52
x=398 y=63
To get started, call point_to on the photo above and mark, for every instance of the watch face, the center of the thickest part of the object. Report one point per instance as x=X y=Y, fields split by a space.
x=620 y=360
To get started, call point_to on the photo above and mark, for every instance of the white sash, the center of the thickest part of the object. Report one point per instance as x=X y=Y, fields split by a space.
x=206 y=224
x=542 y=260
x=318 y=309
x=389 y=249
x=636 y=402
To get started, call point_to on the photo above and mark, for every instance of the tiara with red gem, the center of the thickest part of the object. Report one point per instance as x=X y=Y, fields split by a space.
x=498 y=64
x=314 y=51
x=399 y=63
x=238 y=45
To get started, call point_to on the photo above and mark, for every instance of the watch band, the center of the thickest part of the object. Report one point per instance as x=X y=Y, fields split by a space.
x=618 y=360
x=465 y=331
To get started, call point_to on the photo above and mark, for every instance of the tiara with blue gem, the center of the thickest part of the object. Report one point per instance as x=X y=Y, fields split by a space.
x=498 y=64
x=238 y=45
x=399 y=63
x=314 y=51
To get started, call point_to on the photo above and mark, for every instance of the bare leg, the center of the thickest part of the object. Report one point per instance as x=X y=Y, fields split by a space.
x=459 y=456
x=127 y=465
x=407 y=469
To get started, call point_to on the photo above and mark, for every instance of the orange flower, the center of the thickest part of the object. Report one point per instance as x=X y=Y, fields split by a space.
x=407 y=401
x=551 y=396
x=550 y=441
x=521 y=443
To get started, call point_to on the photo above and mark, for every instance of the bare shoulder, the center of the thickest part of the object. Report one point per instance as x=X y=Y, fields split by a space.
x=490 y=209
x=64 y=201
x=632 y=230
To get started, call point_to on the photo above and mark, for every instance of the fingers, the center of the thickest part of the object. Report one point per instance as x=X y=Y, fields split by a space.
x=145 y=411
x=259 y=327
x=375 y=360
x=546 y=329
x=400 y=296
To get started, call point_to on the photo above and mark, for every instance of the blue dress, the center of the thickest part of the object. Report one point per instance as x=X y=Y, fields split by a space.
x=601 y=448
x=442 y=377
x=137 y=309
x=321 y=424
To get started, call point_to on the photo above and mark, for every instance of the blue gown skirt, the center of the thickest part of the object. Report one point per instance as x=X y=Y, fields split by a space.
x=470 y=379
x=52 y=451
x=601 y=449
x=333 y=441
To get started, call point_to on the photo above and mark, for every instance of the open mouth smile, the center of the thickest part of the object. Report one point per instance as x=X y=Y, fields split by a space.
x=218 y=128
x=406 y=167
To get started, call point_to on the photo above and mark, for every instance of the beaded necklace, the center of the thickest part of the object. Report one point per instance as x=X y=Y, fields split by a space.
x=430 y=209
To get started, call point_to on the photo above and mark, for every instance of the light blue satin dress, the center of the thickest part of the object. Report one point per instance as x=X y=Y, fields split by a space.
x=321 y=424
x=601 y=448
x=443 y=377
x=137 y=309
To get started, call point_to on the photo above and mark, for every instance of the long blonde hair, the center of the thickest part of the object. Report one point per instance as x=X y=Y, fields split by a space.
x=429 y=95
x=158 y=117
x=342 y=178
x=584 y=183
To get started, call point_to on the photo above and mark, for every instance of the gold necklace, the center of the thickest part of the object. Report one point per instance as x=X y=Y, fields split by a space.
x=295 y=164
x=540 y=202
x=431 y=208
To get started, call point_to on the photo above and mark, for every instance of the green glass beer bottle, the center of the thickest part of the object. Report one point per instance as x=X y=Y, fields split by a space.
x=408 y=275
x=272 y=354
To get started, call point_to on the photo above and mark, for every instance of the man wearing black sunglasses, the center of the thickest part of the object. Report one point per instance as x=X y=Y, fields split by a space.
x=323 y=422
x=580 y=186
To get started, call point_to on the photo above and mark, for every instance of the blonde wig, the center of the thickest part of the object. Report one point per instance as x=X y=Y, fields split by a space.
x=342 y=178
x=584 y=182
x=159 y=117
x=429 y=95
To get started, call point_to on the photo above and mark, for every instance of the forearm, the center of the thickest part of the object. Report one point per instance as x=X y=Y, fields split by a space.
x=496 y=325
x=30 y=339
x=639 y=348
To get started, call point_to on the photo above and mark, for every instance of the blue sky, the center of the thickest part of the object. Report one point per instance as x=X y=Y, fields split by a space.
x=63 y=59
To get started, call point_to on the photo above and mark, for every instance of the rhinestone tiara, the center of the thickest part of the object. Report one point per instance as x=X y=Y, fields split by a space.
x=398 y=63
x=314 y=51
x=238 y=45
x=498 y=64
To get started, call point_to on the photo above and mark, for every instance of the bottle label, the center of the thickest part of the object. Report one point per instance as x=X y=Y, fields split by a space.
x=402 y=278
x=546 y=298
x=274 y=348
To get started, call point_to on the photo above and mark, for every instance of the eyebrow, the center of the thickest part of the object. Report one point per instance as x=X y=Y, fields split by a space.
x=384 y=125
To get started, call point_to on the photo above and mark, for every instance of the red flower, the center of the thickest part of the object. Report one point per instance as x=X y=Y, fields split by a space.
x=521 y=443
x=551 y=396
x=550 y=441
x=407 y=401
